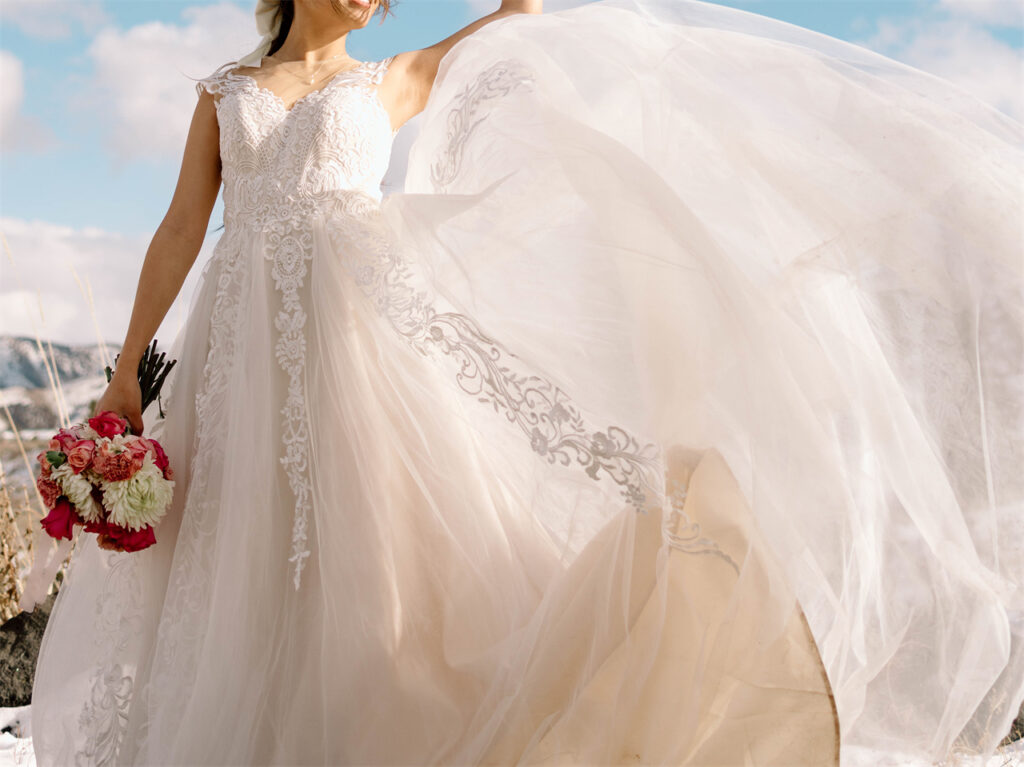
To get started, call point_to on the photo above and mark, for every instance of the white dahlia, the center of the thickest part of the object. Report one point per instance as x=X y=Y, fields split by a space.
x=141 y=499
x=78 y=489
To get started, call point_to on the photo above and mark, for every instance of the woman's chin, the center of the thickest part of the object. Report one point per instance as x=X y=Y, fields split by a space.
x=360 y=11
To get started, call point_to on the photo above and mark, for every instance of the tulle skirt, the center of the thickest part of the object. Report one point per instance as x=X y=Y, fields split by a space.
x=671 y=415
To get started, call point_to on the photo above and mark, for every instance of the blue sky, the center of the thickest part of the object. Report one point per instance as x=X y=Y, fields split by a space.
x=87 y=170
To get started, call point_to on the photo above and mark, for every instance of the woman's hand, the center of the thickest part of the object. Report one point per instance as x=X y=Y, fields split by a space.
x=522 y=6
x=124 y=397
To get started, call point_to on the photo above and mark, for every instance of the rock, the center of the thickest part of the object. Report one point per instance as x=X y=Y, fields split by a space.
x=19 y=645
x=1017 y=730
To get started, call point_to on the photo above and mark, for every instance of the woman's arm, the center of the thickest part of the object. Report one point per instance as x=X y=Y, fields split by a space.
x=170 y=256
x=405 y=88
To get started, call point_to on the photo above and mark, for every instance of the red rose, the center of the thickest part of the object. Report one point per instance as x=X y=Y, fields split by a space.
x=131 y=540
x=49 y=490
x=108 y=423
x=99 y=526
x=61 y=520
x=80 y=455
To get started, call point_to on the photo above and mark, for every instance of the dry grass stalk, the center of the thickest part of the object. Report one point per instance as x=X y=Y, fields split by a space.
x=14 y=548
x=86 y=289
x=22 y=547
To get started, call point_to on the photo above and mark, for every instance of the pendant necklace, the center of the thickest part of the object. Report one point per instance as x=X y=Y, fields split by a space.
x=309 y=79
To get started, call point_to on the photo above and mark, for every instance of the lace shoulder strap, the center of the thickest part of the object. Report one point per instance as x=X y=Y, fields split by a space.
x=376 y=70
x=219 y=82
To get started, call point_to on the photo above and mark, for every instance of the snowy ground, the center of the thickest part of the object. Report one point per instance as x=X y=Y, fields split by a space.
x=16 y=737
x=16 y=748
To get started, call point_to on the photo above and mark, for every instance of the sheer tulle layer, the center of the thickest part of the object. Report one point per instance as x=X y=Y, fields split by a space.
x=798 y=253
x=439 y=620
x=672 y=411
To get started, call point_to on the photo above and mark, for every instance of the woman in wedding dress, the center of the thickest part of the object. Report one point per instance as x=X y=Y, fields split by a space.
x=671 y=415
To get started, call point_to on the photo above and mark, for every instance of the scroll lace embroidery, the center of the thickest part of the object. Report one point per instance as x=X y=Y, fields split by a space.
x=554 y=425
x=496 y=81
x=104 y=715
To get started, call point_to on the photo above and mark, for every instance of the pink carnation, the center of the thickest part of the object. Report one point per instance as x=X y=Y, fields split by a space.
x=49 y=490
x=115 y=466
x=108 y=424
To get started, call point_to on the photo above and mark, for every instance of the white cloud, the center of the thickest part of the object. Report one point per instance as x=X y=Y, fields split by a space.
x=18 y=132
x=1009 y=13
x=12 y=77
x=39 y=293
x=141 y=86
x=960 y=51
x=52 y=19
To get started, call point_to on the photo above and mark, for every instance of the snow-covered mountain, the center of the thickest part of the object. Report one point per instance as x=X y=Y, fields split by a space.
x=21 y=363
x=25 y=384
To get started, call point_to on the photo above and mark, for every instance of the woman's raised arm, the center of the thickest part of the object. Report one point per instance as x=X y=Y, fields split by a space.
x=405 y=88
x=170 y=256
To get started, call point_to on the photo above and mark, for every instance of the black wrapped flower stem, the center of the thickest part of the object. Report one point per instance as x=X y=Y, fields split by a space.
x=153 y=370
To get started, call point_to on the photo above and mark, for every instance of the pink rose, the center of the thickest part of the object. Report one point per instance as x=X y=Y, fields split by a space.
x=60 y=522
x=80 y=455
x=131 y=540
x=159 y=456
x=108 y=423
x=139 y=448
x=49 y=490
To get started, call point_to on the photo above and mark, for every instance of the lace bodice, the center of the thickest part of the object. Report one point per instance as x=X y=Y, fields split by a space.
x=280 y=164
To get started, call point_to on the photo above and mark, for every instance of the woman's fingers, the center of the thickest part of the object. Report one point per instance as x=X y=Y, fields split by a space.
x=135 y=421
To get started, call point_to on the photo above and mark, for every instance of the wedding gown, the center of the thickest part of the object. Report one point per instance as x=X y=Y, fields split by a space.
x=671 y=415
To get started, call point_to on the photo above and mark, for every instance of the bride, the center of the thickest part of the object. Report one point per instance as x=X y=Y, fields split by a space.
x=671 y=415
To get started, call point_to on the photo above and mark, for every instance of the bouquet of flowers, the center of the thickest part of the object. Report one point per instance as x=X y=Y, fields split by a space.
x=112 y=482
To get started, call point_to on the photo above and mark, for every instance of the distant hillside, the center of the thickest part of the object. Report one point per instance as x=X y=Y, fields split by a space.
x=25 y=385
x=21 y=364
